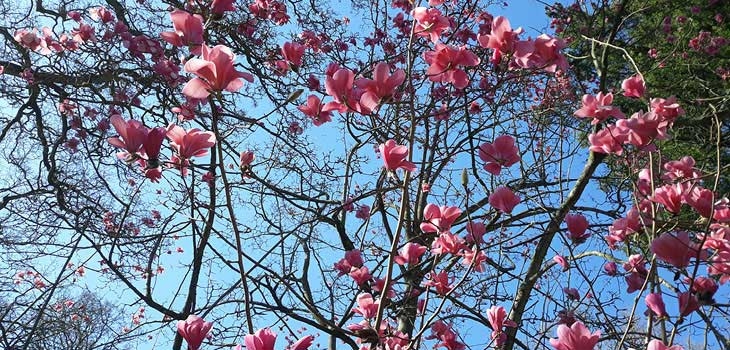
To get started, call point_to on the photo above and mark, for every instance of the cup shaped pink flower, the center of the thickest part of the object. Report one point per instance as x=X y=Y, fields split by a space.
x=497 y=317
x=575 y=337
x=656 y=344
x=367 y=307
x=194 y=329
x=410 y=254
x=502 y=153
x=215 y=72
x=501 y=38
x=429 y=23
x=674 y=249
x=188 y=29
x=247 y=157
x=655 y=303
x=190 y=143
x=444 y=64
x=504 y=199
x=439 y=219
x=599 y=108
x=687 y=303
x=395 y=156
x=381 y=87
x=218 y=7
x=292 y=53
x=263 y=339
x=577 y=226
x=132 y=135
x=634 y=86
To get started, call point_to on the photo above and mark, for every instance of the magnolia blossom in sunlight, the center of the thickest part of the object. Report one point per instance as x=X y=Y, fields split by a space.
x=503 y=199
x=395 y=156
x=215 y=72
x=188 y=30
x=194 y=329
x=634 y=86
x=501 y=38
x=502 y=153
x=575 y=337
x=656 y=344
x=655 y=303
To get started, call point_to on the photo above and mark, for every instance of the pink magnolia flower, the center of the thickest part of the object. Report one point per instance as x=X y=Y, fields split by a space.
x=447 y=243
x=575 y=337
x=577 y=226
x=642 y=128
x=190 y=143
x=363 y=212
x=339 y=85
x=429 y=23
x=132 y=135
x=670 y=196
x=320 y=113
x=292 y=53
x=668 y=108
x=497 y=317
x=610 y=268
x=448 y=338
x=188 y=30
x=607 y=141
x=704 y=288
x=378 y=285
x=476 y=231
x=246 y=158
x=634 y=86
x=674 y=249
x=439 y=219
x=218 y=7
x=502 y=153
x=395 y=156
x=367 y=307
x=501 y=38
x=28 y=39
x=475 y=258
x=701 y=199
x=410 y=254
x=562 y=262
x=153 y=142
x=381 y=87
x=361 y=275
x=444 y=64
x=656 y=344
x=720 y=265
x=655 y=303
x=440 y=281
x=503 y=199
x=681 y=169
x=599 y=108
x=722 y=211
x=687 y=303
x=215 y=72
x=543 y=52
x=101 y=13
x=263 y=339
x=635 y=281
x=302 y=344
x=194 y=329
x=353 y=258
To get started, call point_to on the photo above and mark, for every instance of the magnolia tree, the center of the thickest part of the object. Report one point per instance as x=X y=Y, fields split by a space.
x=385 y=175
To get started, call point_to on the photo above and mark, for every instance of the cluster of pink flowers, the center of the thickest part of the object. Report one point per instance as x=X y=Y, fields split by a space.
x=542 y=52
x=639 y=130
